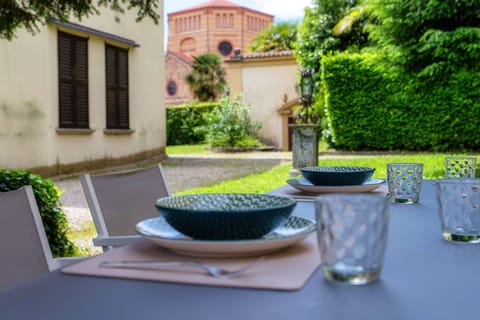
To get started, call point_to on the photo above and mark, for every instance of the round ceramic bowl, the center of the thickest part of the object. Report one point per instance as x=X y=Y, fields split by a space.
x=337 y=175
x=225 y=216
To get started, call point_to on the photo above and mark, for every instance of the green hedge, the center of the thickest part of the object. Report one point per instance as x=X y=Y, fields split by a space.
x=47 y=198
x=371 y=106
x=187 y=124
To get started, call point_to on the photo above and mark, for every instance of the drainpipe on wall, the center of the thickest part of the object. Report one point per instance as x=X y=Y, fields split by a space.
x=243 y=29
x=207 y=29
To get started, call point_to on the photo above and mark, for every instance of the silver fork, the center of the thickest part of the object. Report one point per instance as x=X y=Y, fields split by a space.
x=215 y=271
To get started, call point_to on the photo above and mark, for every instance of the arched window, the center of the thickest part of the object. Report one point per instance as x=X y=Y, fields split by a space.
x=224 y=20
x=171 y=88
x=188 y=45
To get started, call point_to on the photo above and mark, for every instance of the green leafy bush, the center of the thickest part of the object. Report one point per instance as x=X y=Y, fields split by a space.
x=187 y=124
x=47 y=197
x=371 y=105
x=230 y=125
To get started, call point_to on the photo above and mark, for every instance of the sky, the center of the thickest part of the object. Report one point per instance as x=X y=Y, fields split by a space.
x=281 y=9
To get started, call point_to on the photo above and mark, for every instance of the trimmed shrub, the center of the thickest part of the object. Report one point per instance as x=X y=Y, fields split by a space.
x=187 y=124
x=371 y=106
x=47 y=197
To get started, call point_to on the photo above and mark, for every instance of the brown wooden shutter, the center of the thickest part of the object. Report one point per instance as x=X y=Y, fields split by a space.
x=73 y=81
x=117 y=87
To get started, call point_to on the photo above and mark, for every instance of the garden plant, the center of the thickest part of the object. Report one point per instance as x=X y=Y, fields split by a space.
x=47 y=197
x=231 y=126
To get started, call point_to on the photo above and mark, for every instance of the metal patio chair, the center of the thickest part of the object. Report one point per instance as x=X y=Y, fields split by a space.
x=24 y=250
x=118 y=201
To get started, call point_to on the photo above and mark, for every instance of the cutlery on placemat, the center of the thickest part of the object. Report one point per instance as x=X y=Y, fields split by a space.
x=212 y=270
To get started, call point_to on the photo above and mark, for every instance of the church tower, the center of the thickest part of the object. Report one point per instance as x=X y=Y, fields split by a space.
x=216 y=26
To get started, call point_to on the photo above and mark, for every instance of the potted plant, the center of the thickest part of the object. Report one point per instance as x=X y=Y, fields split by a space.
x=305 y=130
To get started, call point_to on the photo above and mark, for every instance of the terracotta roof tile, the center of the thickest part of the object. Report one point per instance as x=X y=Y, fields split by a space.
x=184 y=57
x=271 y=54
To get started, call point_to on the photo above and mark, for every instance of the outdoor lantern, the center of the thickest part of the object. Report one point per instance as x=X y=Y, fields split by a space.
x=306 y=86
x=306 y=92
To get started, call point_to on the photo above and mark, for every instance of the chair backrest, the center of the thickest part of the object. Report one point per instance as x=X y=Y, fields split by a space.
x=118 y=201
x=24 y=249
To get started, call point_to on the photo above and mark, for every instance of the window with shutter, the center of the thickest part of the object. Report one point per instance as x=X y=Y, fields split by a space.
x=73 y=81
x=117 y=87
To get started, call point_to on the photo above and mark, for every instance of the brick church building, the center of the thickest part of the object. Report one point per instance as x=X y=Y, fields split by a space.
x=216 y=26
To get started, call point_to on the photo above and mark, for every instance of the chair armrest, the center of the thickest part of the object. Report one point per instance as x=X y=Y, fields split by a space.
x=65 y=261
x=115 y=240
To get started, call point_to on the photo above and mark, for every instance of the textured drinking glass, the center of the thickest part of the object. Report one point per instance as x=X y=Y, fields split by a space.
x=352 y=234
x=460 y=167
x=459 y=209
x=404 y=182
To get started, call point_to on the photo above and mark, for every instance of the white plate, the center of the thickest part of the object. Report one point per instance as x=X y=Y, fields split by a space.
x=162 y=234
x=304 y=185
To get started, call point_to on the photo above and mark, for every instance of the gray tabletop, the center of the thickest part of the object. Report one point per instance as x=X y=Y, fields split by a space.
x=424 y=277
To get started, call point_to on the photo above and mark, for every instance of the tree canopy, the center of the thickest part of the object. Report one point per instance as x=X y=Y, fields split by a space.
x=277 y=37
x=329 y=26
x=431 y=38
x=207 y=79
x=316 y=33
x=30 y=15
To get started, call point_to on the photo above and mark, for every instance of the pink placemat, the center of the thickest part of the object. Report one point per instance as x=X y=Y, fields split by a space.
x=288 y=269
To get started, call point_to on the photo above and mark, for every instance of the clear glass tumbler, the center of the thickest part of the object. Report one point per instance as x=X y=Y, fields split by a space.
x=459 y=209
x=460 y=167
x=404 y=182
x=352 y=235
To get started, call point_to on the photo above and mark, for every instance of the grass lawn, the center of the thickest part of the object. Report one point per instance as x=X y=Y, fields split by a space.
x=81 y=236
x=187 y=149
x=434 y=168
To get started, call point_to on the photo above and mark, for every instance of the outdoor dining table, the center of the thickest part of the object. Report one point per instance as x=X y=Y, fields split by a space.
x=424 y=277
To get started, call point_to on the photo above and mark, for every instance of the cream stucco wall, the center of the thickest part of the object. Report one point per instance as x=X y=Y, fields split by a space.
x=29 y=96
x=267 y=84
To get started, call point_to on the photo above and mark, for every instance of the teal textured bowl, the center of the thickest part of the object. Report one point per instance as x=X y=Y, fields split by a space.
x=225 y=216
x=337 y=175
